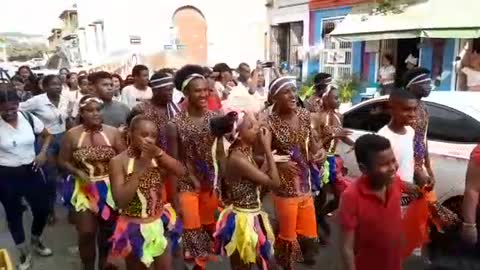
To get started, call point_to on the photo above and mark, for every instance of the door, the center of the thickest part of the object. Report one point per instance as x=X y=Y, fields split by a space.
x=191 y=29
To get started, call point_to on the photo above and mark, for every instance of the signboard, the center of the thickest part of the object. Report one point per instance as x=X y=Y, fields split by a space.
x=135 y=40
x=181 y=46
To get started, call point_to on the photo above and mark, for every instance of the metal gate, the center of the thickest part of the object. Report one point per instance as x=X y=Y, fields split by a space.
x=336 y=56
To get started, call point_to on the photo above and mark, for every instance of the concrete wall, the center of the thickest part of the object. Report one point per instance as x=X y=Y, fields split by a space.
x=235 y=29
x=285 y=11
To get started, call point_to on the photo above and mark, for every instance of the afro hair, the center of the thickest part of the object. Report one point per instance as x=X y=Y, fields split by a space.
x=187 y=70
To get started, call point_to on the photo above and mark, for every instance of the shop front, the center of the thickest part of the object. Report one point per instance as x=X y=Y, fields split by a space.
x=422 y=30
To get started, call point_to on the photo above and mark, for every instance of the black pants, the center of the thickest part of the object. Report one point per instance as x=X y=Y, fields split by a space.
x=23 y=182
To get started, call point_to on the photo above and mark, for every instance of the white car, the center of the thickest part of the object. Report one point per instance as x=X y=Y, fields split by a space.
x=453 y=132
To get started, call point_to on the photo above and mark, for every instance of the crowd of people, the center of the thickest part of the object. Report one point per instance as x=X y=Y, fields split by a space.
x=177 y=164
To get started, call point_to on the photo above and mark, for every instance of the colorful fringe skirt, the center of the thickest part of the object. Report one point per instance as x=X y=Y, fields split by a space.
x=247 y=232
x=95 y=196
x=331 y=173
x=146 y=239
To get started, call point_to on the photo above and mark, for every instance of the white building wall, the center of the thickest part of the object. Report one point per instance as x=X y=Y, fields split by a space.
x=287 y=11
x=236 y=29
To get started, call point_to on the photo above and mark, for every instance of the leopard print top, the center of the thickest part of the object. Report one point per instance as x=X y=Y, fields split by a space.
x=157 y=116
x=242 y=193
x=93 y=159
x=314 y=104
x=147 y=200
x=420 y=138
x=196 y=142
x=294 y=142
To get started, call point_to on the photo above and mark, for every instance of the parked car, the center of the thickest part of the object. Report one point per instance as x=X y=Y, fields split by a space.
x=453 y=132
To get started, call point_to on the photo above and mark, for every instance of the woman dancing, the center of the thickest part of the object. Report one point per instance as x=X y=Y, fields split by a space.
x=291 y=135
x=328 y=124
x=160 y=109
x=190 y=140
x=243 y=230
x=86 y=151
x=137 y=184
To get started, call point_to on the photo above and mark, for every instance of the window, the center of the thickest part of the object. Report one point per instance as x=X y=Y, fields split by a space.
x=447 y=124
x=336 y=57
x=370 y=117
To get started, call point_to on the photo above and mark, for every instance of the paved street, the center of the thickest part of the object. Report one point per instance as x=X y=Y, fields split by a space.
x=61 y=238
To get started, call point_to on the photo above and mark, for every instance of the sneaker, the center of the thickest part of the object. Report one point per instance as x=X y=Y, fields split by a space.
x=25 y=262
x=40 y=249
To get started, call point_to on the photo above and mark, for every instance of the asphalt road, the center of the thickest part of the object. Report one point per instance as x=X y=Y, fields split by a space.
x=61 y=239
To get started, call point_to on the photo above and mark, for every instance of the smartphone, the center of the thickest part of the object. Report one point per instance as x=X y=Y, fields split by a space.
x=268 y=64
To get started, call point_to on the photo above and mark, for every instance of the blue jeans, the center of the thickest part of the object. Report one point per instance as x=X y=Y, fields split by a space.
x=52 y=172
x=23 y=182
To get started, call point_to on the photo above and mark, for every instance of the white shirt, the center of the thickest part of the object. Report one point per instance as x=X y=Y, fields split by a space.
x=240 y=99
x=17 y=145
x=473 y=76
x=177 y=96
x=131 y=96
x=402 y=145
x=72 y=97
x=76 y=104
x=388 y=74
x=52 y=117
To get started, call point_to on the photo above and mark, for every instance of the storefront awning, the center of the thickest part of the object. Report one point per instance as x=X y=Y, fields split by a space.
x=428 y=18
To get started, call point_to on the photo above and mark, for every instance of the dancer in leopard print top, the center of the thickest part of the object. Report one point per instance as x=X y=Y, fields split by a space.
x=137 y=184
x=85 y=153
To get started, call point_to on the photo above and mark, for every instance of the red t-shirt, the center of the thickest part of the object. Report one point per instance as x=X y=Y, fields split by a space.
x=475 y=155
x=213 y=103
x=377 y=225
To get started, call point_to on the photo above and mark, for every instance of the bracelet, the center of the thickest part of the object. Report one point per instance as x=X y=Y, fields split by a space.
x=469 y=225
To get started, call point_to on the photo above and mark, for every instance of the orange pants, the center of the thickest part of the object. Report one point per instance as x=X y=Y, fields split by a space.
x=198 y=208
x=167 y=195
x=296 y=216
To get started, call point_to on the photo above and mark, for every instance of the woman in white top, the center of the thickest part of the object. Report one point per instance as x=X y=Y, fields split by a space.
x=51 y=108
x=470 y=66
x=386 y=75
x=21 y=175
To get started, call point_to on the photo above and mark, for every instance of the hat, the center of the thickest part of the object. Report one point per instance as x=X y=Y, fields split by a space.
x=412 y=60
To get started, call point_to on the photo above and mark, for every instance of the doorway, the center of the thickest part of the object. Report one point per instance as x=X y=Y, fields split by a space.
x=405 y=47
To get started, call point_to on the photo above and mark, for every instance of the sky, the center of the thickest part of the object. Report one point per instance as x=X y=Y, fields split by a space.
x=31 y=16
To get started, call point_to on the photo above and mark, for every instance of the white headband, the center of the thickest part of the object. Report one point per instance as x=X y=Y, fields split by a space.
x=90 y=99
x=419 y=79
x=189 y=79
x=285 y=81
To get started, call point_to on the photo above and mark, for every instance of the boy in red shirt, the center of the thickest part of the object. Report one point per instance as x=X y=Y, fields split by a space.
x=369 y=212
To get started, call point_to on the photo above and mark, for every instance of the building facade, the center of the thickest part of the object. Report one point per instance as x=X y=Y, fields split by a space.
x=172 y=33
x=289 y=22
x=341 y=59
x=352 y=36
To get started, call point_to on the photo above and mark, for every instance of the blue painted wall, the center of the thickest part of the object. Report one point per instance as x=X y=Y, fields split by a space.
x=448 y=57
x=316 y=19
